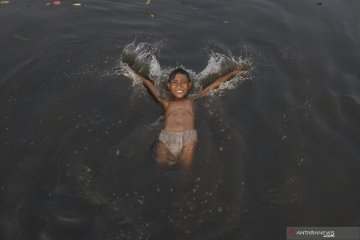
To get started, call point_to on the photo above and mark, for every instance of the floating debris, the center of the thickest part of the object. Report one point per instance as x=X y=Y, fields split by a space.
x=22 y=38
x=4 y=2
x=148 y=2
x=226 y=22
x=77 y=4
x=300 y=161
x=56 y=3
x=152 y=15
x=319 y=3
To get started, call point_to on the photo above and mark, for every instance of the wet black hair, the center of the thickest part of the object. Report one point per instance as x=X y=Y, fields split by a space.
x=180 y=71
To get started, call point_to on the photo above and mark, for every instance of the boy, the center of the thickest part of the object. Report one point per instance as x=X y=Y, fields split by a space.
x=178 y=139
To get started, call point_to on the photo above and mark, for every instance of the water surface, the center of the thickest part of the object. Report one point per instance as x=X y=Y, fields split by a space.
x=76 y=135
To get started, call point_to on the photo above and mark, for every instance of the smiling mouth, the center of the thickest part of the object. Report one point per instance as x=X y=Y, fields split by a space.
x=179 y=91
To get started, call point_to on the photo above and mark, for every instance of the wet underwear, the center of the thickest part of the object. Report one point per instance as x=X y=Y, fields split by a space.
x=175 y=141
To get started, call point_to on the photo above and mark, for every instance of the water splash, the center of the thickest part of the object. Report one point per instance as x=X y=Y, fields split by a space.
x=140 y=57
x=220 y=64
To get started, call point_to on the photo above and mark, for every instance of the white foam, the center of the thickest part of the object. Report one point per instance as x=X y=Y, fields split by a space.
x=141 y=57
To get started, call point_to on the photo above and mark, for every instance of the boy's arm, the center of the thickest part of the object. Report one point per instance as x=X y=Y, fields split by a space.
x=218 y=82
x=150 y=86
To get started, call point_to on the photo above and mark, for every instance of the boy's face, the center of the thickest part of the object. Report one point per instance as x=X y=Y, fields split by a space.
x=179 y=86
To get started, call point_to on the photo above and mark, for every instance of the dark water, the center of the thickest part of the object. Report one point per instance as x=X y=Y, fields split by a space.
x=76 y=138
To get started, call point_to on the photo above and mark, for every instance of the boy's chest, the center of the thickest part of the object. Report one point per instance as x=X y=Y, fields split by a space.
x=179 y=106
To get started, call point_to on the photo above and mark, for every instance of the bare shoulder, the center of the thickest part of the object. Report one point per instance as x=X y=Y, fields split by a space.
x=165 y=102
x=188 y=101
x=196 y=96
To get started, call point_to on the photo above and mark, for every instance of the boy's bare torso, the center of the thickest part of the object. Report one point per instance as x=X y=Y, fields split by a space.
x=179 y=136
x=180 y=115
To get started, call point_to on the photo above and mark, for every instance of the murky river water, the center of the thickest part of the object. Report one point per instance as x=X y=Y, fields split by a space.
x=278 y=148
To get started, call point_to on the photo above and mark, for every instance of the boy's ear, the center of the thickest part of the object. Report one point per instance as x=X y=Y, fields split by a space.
x=191 y=85
x=168 y=85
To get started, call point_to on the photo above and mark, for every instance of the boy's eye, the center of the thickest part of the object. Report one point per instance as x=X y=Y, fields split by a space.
x=179 y=81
